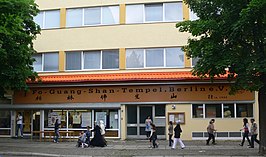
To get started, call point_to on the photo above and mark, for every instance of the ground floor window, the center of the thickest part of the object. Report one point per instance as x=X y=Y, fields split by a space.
x=5 y=120
x=223 y=110
x=78 y=120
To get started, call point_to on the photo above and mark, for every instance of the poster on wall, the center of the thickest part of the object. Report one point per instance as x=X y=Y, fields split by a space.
x=177 y=116
x=101 y=116
x=52 y=116
x=76 y=118
x=86 y=119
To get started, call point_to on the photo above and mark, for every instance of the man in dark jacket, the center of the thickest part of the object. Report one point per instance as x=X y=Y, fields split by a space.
x=177 y=138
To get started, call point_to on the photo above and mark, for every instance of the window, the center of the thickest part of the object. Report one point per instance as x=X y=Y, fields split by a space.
x=153 y=58
x=228 y=110
x=92 y=16
x=173 y=11
x=107 y=59
x=73 y=17
x=159 y=110
x=213 y=111
x=134 y=13
x=92 y=60
x=194 y=61
x=156 y=12
x=73 y=61
x=46 y=62
x=244 y=110
x=48 y=19
x=197 y=110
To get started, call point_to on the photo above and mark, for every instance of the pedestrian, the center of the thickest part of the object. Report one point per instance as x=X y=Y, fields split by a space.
x=211 y=130
x=102 y=126
x=253 y=132
x=170 y=133
x=148 y=122
x=88 y=135
x=19 y=125
x=56 y=131
x=98 y=140
x=82 y=140
x=245 y=131
x=177 y=136
x=153 y=136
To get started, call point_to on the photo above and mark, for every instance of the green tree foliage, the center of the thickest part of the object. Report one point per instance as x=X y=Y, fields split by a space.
x=229 y=37
x=17 y=31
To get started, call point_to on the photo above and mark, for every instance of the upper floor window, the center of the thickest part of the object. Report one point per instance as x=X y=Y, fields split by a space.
x=48 y=19
x=152 y=58
x=106 y=59
x=194 y=61
x=157 y=12
x=92 y=16
x=46 y=62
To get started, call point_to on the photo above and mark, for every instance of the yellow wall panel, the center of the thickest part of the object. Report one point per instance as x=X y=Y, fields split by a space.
x=122 y=58
x=62 y=17
x=122 y=14
x=61 y=61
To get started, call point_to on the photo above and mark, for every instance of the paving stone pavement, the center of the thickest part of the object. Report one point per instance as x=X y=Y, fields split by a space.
x=10 y=147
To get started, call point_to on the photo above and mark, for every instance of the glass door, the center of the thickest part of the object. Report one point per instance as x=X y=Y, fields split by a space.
x=136 y=116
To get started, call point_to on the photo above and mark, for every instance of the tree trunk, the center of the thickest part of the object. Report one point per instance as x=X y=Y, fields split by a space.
x=262 y=116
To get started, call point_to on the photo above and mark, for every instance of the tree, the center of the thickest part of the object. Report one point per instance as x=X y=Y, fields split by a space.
x=229 y=38
x=17 y=31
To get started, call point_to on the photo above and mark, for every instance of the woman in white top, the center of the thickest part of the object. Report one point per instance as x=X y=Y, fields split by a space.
x=19 y=125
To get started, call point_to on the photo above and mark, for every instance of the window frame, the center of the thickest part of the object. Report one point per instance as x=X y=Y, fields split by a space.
x=101 y=16
x=222 y=110
x=43 y=61
x=82 y=60
x=43 y=19
x=154 y=67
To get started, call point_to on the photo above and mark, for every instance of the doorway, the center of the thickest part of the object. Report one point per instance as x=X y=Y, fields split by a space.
x=136 y=116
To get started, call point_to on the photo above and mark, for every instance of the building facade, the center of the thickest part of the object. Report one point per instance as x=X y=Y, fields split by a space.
x=120 y=62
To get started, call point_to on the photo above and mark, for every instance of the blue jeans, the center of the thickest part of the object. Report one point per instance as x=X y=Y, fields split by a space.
x=19 y=126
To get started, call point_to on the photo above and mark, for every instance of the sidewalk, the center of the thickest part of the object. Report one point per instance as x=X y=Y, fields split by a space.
x=131 y=148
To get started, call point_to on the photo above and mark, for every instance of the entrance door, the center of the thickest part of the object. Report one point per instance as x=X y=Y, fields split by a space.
x=136 y=116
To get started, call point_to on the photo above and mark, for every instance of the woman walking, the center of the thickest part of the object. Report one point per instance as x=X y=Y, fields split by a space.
x=170 y=133
x=177 y=138
x=245 y=132
x=153 y=136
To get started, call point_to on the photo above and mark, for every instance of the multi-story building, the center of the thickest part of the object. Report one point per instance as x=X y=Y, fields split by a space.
x=120 y=61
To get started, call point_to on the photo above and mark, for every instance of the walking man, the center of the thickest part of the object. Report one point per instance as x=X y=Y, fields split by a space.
x=253 y=132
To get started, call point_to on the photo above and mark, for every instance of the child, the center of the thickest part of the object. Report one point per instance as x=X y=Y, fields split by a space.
x=82 y=140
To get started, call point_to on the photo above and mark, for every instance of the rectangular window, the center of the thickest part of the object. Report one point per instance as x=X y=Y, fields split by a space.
x=157 y=12
x=194 y=61
x=48 y=19
x=174 y=57
x=213 y=110
x=92 y=16
x=135 y=58
x=228 y=110
x=134 y=13
x=173 y=11
x=46 y=62
x=73 y=60
x=92 y=60
x=193 y=16
x=244 y=110
x=110 y=15
x=153 y=12
x=197 y=110
x=74 y=17
x=51 y=62
x=154 y=58
x=110 y=59
x=107 y=59
x=157 y=57
x=52 y=19
x=37 y=65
